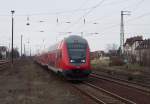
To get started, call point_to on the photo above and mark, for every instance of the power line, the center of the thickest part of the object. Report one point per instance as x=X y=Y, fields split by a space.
x=52 y=13
x=140 y=16
x=133 y=19
x=56 y=13
x=117 y=2
x=79 y=8
x=135 y=7
x=83 y=4
x=138 y=4
x=86 y=13
x=104 y=16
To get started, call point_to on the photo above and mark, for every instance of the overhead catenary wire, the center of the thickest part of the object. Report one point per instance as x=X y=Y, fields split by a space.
x=108 y=28
x=49 y=13
x=86 y=13
x=92 y=21
x=129 y=20
x=135 y=7
x=117 y=2
x=54 y=13
x=133 y=19
x=140 y=16
x=112 y=3
x=72 y=13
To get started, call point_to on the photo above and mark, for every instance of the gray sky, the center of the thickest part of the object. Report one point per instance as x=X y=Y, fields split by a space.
x=106 y=13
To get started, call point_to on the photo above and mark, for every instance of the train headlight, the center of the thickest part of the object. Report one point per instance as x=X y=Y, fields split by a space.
x=82 y=60
x=71 y=60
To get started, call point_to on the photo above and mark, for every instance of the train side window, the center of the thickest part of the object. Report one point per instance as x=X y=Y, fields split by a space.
x=60 y=54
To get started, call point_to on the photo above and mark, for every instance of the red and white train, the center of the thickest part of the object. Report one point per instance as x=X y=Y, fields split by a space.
x=70 y=57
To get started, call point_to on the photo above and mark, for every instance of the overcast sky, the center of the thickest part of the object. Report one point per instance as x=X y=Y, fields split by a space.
x=50 y=20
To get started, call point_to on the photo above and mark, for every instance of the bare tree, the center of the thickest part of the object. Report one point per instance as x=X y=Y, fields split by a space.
x=112 y=47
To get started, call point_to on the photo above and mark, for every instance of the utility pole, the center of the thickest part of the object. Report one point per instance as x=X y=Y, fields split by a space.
x=30 y=51
x=21 y=45
x=12 y=51
x=122 y=30
x=9 y=57
x=24 y=50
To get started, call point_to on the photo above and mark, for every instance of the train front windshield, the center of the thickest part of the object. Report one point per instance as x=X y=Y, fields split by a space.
x=77 y=52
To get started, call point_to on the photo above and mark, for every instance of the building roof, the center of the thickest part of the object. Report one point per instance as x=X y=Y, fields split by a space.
x=98 y=51
x=131 y=40
x=145 y=44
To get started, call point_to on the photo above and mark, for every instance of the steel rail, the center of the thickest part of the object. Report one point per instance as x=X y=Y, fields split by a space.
x=122 y=83
x=94 y=98
x=3 y=63
x=111 y=94
x=123 y=80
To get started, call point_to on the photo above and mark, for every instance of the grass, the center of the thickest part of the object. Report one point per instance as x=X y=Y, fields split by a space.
x=129 y=71
x=96 y=64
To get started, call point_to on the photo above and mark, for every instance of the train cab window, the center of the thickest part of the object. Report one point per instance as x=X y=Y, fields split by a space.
x=77 y=52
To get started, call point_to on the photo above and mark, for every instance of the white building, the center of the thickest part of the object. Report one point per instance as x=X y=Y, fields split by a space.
x=143 y=52
x=130 y=47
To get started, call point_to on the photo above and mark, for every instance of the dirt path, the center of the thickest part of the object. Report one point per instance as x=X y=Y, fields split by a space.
x=28 y=83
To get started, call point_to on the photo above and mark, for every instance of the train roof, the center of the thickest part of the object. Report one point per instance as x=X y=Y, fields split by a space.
x=70 y=39
x=73 y=38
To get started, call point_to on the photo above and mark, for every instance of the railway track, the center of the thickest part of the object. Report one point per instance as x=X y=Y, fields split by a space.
x=97 y=100
x=100 y=95
x=4 y=64
x=135 y=94
x=138 y=86
x=123 y=80
x=142 y=79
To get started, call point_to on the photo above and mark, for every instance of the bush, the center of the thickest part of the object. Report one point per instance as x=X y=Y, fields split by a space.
x=116 y=61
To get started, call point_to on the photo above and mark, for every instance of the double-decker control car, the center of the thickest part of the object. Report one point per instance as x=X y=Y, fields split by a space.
x=70 y=57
